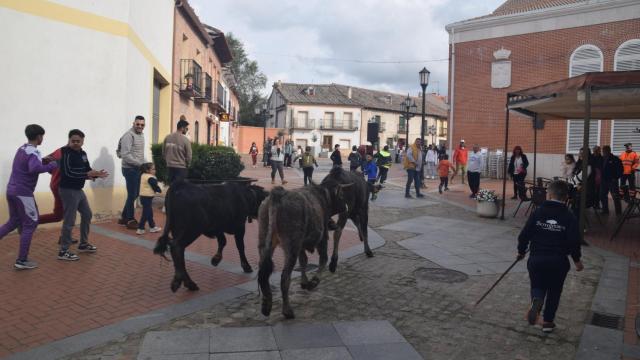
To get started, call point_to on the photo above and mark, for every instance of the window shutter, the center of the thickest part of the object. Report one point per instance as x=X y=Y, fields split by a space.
x=587 y=58
x=575 y=132
x=627 y=59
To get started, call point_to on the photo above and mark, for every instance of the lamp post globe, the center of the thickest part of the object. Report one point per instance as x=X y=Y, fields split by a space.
x=424 y=82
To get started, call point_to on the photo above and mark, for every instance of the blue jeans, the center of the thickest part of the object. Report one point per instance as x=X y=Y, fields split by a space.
x=147 y=212
x=413 y=175
x=132 y=178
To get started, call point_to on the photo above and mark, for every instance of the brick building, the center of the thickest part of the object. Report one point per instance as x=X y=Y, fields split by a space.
x=203 y=86
x=525 y=43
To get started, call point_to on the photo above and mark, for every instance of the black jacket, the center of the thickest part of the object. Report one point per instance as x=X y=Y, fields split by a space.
x=551 y=230
x=336 y=158
x=512 y=169
x=611 y=168
x=74 y=166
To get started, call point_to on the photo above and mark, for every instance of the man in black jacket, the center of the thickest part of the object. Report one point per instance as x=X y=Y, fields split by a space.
x=611 y=172
x=336 y=157
x=75 y=170
x=551 y=233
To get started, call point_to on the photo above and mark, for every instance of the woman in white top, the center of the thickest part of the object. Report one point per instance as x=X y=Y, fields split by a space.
x=277 y=162
x=431 y=159
x=568 y=165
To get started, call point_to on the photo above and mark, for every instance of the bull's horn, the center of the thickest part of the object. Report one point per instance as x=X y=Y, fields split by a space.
x=345 y=185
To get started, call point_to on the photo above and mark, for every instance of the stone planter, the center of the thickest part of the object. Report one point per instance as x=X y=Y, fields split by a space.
x=487 y=209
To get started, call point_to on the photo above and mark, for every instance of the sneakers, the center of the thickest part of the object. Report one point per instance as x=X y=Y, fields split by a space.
x=420 y=196
x=122 y=222
x=534 y=311
x=440 y=189
x=548 y=327
x=140 y=232
x=68 y=256
x=132 y=224
x=87 y=248
x=408 y=196
x=25 y=265
x=155 y=229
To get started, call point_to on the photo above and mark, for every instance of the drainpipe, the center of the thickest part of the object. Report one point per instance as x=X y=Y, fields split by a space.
x=452 y=83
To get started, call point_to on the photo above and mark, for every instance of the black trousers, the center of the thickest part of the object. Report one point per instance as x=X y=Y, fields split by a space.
x=518 y=183
x=176 y=174
x=382 y=174
x=606 y=187
x=629 y=179
x=308 y=174
x=474 y=181
x=547 y=274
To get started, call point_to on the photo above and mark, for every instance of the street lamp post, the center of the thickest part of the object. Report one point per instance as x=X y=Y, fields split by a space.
x=409 y=107
x=424 y=81
x=263 y=112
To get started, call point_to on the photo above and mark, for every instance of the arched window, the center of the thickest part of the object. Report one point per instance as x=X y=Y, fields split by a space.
x=586 y=58
x=196 y=133
x=627 y=58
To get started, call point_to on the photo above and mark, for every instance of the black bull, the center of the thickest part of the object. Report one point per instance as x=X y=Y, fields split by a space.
x=212 y=210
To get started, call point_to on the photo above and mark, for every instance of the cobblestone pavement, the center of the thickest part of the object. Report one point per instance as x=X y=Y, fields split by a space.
x=437 y=317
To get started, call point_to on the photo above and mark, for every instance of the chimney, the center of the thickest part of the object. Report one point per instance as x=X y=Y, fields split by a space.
x=311 y=91
x=349 y=92
x=279 y=83
x=389 y=99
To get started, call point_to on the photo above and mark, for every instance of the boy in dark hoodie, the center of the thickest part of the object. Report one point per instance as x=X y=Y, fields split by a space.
x=371 y=171
x=550 y=234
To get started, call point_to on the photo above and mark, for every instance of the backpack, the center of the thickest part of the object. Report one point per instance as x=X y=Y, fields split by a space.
x=354 y=159
x=307 y=160
x=118 y=150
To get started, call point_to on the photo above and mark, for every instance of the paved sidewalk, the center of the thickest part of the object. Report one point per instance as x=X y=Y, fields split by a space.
x=340 y=340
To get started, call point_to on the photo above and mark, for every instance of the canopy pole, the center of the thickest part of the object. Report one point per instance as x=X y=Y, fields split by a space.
x=585 y=161
x=535 y=146
x=504 y=161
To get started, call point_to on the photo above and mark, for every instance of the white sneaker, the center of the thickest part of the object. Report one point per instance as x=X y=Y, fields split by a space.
x=140 y=231
x=155 y=229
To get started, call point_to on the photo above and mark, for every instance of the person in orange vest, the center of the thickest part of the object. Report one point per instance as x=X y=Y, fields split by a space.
x=460 y=156
x=630 y=163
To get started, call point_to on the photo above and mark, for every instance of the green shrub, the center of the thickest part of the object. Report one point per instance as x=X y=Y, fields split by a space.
x=207 y=162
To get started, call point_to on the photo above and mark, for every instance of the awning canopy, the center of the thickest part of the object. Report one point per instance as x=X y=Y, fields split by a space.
x=614 y=95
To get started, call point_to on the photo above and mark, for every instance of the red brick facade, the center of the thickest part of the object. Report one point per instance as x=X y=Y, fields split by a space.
x=536 y=58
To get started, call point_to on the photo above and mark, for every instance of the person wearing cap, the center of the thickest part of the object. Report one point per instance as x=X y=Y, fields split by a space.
x=630 y=163
x=460 y=157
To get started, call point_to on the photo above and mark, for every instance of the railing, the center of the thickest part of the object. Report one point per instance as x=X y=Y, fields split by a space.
x=220 y=94
x=208 y=90
x=190 y=78
x=335 y=124
x=402 y=128
x=303 y=123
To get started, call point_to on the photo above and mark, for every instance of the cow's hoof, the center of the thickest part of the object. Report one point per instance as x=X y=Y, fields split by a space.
x=175 y=285
x=313 y=283
x=192 y=286
x=333 y=265
x=288 y=314
x=369 y=253
x=266 y=308
x=246 y=267
x=215 y=260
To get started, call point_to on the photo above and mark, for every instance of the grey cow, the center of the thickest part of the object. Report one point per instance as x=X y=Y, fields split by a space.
x=297 y=221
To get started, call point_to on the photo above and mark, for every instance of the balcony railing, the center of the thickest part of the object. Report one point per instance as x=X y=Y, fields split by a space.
x=190 y=78
x=303 y=124
x=208 y=90
x=220 y=94
x=335 y=124
x=402 y=129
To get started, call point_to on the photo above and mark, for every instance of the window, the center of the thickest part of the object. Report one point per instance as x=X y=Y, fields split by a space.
x=328 y=119
x=302 y=121
x=627 y=58
x=347 y=122
x=196 y=132
x=586 y=58
x=402 y=124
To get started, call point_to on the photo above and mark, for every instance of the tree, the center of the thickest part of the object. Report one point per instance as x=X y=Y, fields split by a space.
x=250 y=82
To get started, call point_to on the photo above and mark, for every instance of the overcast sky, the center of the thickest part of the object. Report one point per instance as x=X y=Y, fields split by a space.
x=324 y=41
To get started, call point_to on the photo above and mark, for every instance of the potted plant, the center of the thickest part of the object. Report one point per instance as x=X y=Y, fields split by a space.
x=487 y=203
x=189 y=80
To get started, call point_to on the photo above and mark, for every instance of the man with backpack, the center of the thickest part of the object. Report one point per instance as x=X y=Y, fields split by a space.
x=354 y=159
x=131 y=151
x=308 y=161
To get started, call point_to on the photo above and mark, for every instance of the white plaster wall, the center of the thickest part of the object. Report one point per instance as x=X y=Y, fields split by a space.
x=547 y=165
x=317 y=113
x=61 y=77
x=152 y=20
x=112 y=9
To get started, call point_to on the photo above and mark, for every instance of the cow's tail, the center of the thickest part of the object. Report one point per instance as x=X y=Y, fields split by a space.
x=162 y=245
x=266 y=243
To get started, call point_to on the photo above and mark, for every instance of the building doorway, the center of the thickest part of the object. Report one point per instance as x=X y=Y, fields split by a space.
x=327 y=142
